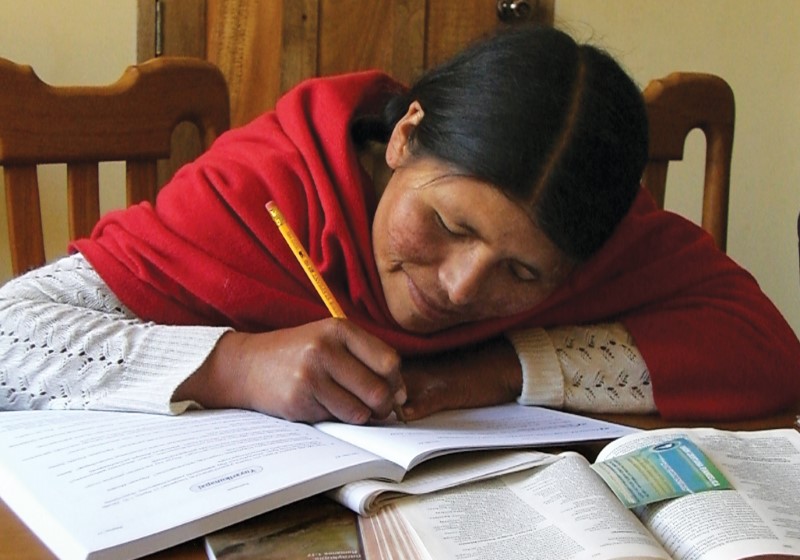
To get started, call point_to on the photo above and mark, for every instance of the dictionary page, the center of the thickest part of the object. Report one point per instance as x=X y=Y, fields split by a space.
x=562 y=510
x=759 y=516
x=365 y=497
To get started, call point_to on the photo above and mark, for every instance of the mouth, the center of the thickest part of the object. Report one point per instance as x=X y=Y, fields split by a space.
x=428 y=308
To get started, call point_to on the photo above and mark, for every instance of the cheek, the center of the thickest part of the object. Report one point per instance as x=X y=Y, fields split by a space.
x=511 y=298
x=408 y=239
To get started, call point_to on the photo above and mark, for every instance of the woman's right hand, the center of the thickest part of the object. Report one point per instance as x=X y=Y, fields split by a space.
x=329 y=369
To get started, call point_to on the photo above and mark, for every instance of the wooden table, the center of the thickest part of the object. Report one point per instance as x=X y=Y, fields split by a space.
x=18 y=543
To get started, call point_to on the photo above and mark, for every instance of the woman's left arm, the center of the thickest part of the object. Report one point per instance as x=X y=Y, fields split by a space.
x=595 y=368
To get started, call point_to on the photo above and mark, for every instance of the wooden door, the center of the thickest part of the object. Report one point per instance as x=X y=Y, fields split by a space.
x=264 y=47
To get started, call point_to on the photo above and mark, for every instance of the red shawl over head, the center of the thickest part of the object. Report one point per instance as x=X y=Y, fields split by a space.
x=208 y=252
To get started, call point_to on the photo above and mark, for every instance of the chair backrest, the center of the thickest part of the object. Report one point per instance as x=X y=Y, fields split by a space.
x=131 y=120
x=676 y=105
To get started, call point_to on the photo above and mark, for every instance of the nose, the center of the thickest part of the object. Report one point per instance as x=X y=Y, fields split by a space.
x=463 y=273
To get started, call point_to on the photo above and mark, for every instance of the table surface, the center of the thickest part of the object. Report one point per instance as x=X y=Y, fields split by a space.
x=18 y=543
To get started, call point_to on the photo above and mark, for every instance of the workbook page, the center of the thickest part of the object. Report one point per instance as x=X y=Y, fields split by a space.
x=505 y=426
x=86 y=481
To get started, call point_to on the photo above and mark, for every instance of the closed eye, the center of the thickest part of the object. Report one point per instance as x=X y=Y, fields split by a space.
x=450 y=229
x=523 y=272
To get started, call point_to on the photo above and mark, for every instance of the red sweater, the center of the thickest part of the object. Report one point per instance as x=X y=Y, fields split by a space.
x=208 y=253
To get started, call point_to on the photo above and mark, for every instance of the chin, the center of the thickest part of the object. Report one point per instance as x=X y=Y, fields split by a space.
x=414 y=323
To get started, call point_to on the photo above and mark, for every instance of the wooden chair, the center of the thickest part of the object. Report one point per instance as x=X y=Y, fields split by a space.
x=676 y=105
x=131 y=120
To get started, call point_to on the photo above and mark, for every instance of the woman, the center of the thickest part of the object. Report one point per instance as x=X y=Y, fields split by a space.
x=504 y=251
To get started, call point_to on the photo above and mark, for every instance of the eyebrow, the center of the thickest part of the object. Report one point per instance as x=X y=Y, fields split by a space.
x=441 y=177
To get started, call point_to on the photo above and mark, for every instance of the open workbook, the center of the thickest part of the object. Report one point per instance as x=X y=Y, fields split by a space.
x=122 y=485
x=565 y=510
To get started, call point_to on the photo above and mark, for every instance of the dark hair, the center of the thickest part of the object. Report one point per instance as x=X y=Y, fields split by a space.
x=557 y=125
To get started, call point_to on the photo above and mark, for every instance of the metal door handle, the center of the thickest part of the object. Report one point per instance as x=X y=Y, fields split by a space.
x=509 y=11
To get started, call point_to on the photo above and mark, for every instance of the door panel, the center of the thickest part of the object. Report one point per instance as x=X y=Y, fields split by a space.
x=265 y=47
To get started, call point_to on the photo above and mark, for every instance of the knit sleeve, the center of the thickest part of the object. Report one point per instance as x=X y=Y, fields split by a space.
x=595 y=368
x=67 y=342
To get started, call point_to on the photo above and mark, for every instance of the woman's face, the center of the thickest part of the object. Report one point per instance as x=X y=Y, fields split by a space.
x=451 y=249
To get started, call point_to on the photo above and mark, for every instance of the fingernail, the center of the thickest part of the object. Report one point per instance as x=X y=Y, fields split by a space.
x=398 y=412
x=400 y=396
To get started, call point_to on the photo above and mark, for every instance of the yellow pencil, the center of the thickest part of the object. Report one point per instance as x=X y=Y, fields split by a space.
x=305 y=261
x=311 y=271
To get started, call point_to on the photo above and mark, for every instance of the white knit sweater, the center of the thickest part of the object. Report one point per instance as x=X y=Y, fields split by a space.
x=66 y=341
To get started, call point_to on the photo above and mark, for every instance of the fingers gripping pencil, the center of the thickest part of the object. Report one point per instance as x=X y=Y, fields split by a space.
x=311 y=271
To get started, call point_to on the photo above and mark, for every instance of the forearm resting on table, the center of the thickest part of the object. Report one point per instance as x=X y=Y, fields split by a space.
x=216 y=383
x=593 y=368
x=589 y=369
x=83 y=349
